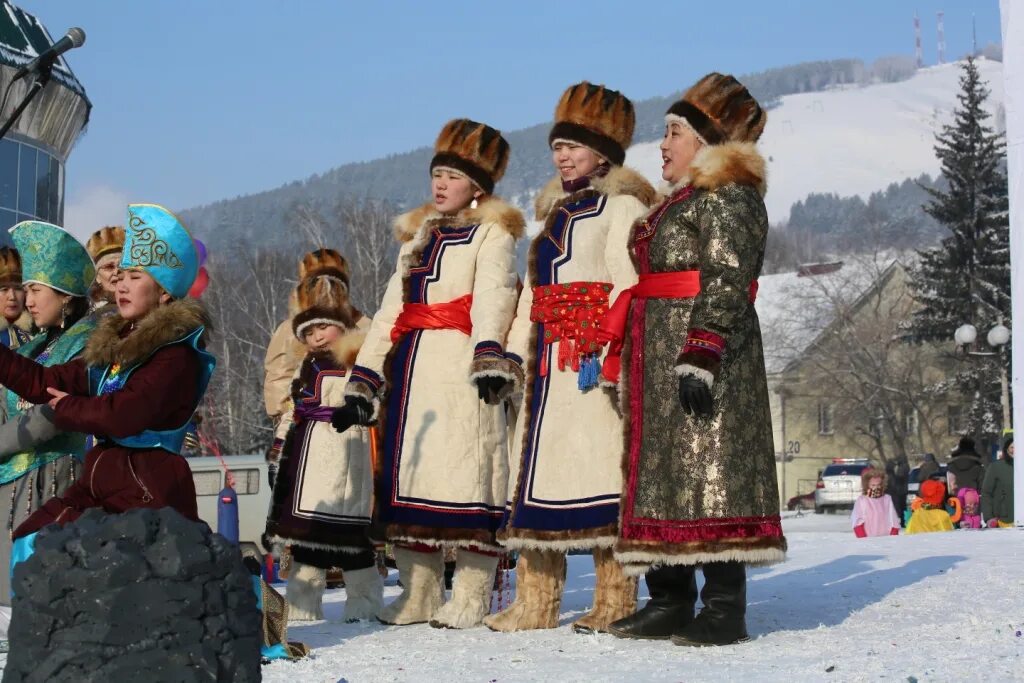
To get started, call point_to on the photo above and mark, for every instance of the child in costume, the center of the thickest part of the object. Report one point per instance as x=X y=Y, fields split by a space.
x=874 y=513
x=323 y=494
x=930 y=514
x=135 y=387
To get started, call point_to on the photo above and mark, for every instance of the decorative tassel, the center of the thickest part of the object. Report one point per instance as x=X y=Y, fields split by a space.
x=566 y=350
x=588 y=373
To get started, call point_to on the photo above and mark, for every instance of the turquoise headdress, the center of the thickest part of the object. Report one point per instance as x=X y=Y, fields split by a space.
x=52 y=257
x=157 y=243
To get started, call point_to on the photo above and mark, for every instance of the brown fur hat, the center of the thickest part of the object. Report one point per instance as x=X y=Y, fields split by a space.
x=867 y=475
x=322 y=292
x=720 y=109
x=596 y=117
x=324 y=262
x=474 y=149
x=105 y=241
x=10 y=266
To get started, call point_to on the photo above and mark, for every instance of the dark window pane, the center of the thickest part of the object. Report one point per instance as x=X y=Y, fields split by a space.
x=8 y=219
x=56 y=192
x=8 y=174
x=27 y=180
x=43 y=186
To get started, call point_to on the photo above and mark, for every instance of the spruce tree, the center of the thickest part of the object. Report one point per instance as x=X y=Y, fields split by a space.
x=966 y=279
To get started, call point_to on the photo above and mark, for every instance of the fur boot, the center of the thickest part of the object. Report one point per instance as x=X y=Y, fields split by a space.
x=422 y=576
x=471 y=591
x=306 y=586
x=540 y=578
x=614 y=594
x=364 y=594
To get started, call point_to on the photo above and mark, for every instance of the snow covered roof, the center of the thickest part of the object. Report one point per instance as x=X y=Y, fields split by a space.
x=795 y=308
x=23 y=37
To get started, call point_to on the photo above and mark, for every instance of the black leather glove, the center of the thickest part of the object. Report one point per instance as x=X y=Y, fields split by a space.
x=694 y=396
x=491 y=390
x=272 y=473
x=356 y=411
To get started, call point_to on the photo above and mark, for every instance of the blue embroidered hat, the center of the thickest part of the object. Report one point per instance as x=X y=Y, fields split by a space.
x=52 y=257
x=157 y=243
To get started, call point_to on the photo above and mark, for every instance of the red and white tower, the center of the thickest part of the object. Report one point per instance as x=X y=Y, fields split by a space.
x=918 y=53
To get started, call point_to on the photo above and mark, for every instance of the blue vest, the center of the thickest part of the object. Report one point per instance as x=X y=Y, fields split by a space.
x=101 y=382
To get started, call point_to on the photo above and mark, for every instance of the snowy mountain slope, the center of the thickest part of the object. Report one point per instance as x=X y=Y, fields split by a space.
x=931 y=607
x=852 y=141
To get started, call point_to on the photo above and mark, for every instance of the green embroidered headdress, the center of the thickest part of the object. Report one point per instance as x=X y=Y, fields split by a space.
x=52 y=257
x=157 y=243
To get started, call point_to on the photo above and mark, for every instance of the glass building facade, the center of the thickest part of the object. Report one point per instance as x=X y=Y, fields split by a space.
x=31 y=184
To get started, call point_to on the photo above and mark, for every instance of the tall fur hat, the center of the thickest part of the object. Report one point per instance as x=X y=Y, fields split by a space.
x=867 y=475
x=718 y=108
x=10 y=266
x=473 y=149
x=322 y=293
x=596 y=117
x=108 y=240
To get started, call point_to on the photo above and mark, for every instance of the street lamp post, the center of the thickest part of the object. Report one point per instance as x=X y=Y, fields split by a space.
x=998 y=337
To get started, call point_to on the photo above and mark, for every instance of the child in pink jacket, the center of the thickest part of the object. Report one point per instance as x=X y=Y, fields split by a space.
x=874 y=513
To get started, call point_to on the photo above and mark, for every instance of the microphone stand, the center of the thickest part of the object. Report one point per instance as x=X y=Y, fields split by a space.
x=42 y=78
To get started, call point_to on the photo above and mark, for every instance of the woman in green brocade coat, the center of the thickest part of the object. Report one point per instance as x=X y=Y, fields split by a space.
x=57 y=273
x=699 y=463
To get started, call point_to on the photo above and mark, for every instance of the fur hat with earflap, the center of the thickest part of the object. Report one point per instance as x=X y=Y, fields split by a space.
x=322 y=294
x=932 y=493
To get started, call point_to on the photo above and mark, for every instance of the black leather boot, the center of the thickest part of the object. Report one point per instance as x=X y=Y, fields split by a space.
x=722 y=620
x=673 y=592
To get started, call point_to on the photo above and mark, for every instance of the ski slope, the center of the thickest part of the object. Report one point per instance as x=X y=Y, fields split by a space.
x=852 y=140
x=931 y=607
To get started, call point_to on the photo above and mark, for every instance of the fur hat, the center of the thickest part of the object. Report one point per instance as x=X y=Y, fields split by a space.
x=473 y=149
x=108 y=240
x=718 y=108
x=324 y=262
x=10 y=266
x=322 y=294
x=932 y=492
x=867 y=475
x=596 y=117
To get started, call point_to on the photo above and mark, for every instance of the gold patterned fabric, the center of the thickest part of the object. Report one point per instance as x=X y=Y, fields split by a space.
x=699 y=489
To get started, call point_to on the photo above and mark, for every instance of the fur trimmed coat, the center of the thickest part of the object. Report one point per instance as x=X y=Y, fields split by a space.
x=699 y=489
x=161 y=393
x=444 y=451
x=566 y=478
x=323 y=496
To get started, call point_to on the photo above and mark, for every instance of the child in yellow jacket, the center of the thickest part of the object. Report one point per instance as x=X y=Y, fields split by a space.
x=931 y=515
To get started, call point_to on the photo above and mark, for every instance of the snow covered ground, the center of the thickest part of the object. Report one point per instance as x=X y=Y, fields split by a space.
x=932 y=607
x=852 y=140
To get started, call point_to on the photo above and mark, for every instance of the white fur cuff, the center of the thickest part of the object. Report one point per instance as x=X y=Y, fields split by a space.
x=687 y=370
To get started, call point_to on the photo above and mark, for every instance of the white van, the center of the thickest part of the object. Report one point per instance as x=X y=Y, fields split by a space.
x=251 y=487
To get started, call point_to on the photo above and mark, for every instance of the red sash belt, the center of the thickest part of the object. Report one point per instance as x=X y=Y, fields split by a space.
x=571 y=313
x=683 y=284
x=451 y=315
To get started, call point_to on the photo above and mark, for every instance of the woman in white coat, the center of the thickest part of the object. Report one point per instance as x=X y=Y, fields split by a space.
x=433 y=369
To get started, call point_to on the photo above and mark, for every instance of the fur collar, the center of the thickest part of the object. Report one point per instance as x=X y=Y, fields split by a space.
x=620 y=180
x=166 y=324
x=23 y=322
x=490 y=209
x=732 y=162
x=343 y=350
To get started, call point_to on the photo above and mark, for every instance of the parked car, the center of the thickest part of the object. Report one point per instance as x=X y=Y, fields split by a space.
x=839 y=485
x=913 y=485
x=805 y=501
x=251 y=489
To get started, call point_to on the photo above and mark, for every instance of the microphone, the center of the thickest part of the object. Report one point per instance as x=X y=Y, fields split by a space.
x=75 y=38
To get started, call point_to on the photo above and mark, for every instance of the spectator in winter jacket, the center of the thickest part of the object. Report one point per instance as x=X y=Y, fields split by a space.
x=970 y=504
x=997 y=490
x=897 y=473
x=966 y=465
x=931 y=515
x=874 y=513
x=928 y=468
